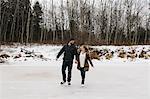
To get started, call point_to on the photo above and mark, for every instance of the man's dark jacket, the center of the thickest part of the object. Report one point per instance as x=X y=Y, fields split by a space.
x=69 y=52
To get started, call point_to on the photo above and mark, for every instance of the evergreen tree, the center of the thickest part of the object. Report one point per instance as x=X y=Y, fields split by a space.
x=14 y=15
x=37 y=20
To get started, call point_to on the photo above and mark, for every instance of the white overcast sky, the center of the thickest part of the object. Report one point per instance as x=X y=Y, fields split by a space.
x=48 y=1
x=57 y=3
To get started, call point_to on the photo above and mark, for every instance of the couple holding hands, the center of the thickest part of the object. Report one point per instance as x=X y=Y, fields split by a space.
x=82 y=60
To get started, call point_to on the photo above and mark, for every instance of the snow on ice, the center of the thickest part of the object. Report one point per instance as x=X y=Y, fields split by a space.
x=37 y=77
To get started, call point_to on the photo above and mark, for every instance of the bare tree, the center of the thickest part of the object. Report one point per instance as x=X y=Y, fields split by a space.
x=91 y=20
x=53 y=21
x=103 y=21
x=117 y=18
x=23 y=25
x=14 y=21
x=43 y=25
x=147 y=38
x=62 y=20
x=28 y=25
x=0 y=24
x=110 y=28
x=103 y=15
x=138 y=9
x=129 y=5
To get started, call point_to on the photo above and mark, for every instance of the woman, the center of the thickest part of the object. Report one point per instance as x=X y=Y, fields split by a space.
x=83 y=61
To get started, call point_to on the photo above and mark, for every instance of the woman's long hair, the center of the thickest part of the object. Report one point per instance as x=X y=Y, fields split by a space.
x=86 y=48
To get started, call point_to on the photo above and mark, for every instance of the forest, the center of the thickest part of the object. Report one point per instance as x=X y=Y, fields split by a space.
x=94 y=22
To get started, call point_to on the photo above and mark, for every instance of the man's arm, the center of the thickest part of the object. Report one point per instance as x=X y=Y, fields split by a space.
x=60 y=52
x=76 y=53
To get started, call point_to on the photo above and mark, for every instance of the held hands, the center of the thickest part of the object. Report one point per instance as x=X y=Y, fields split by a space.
x=76 y=62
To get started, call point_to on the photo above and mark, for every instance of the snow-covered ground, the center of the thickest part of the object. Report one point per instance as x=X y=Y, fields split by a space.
x=35 y=78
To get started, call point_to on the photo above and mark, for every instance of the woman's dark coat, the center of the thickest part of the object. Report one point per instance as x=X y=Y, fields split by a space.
x=87 y=61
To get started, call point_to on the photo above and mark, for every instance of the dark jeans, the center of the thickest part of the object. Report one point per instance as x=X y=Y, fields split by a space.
x=66 y=64
x=82 y=74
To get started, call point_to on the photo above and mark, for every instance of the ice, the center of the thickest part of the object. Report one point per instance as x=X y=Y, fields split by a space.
x=40 y=79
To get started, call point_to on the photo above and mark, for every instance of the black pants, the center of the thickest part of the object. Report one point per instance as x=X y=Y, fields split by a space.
x=82 y=74
x=64 y=67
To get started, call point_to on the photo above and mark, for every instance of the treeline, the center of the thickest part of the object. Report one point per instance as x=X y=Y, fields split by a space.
x=19 y=21
x=94 y=22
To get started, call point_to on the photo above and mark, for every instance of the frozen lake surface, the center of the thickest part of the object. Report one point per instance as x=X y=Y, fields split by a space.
x=105 y=81
x=39 y=79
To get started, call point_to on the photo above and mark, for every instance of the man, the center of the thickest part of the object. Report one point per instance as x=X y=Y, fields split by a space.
x=69 y=51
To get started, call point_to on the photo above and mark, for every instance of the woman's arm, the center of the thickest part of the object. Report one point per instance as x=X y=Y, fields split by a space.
x=89 y=59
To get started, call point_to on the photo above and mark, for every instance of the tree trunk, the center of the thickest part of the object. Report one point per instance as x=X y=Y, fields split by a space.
x=53 y=21
x=0 y=25
x=62 y=21
x=146 y=34
x=42 y=35
x=13 y=22
x=23 y=28
x=28 y=26
x=5 y=31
